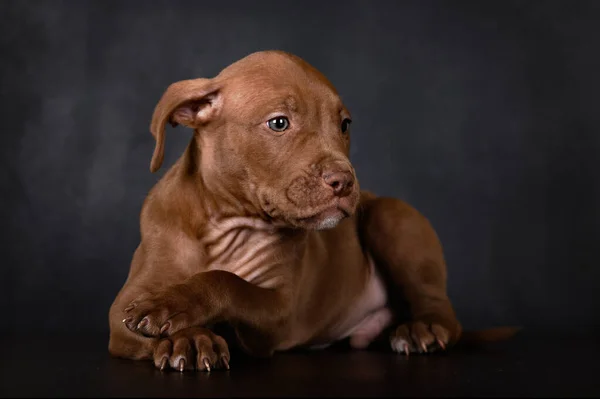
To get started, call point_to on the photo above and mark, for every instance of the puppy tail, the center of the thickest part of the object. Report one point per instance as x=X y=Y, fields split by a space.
x=480 y=337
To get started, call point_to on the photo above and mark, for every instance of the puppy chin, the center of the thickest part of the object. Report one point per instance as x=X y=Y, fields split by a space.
x=329 y=222
x=323 y=221
x=327 y=218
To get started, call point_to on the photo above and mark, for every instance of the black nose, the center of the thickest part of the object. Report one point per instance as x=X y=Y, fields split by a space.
x=341 y=182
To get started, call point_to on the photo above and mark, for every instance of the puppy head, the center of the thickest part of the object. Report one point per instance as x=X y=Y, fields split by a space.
x=273 y=134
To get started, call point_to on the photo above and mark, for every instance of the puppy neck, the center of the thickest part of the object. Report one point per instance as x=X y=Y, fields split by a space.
x=222 y=205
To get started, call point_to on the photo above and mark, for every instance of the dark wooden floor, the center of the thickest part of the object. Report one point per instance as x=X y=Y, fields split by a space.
x=528 y=365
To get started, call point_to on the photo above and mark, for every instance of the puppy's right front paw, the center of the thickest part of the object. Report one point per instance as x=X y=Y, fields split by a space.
x=163 y=313
x=192 y=349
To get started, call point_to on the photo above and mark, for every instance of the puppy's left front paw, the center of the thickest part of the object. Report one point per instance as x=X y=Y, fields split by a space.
x=420 y=337
x=161 y=314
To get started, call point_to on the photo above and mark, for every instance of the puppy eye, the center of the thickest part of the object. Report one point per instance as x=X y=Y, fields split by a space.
x=345 y=125
x=278 y=124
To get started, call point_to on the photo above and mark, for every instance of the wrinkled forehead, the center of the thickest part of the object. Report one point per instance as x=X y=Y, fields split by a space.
x=280 y=86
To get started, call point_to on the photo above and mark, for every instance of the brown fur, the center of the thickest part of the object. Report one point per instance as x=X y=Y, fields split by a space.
x=269 y=232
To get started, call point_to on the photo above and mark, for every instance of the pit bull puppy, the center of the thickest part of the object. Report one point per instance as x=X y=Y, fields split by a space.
x=261 y=225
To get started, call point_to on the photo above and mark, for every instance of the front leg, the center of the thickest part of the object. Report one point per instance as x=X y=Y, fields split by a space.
x=405 y=246
x=208 y=298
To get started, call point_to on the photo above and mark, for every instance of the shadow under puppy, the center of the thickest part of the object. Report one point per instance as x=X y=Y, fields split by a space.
x=261 y=225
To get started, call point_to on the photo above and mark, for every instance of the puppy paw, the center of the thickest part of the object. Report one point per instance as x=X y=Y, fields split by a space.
x=420 y=337
x=161 y=314
x=192 y=349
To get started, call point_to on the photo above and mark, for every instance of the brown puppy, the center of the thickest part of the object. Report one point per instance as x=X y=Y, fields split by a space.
x=261 y=225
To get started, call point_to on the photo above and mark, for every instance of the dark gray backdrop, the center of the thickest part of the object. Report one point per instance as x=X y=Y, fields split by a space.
x=484 y=115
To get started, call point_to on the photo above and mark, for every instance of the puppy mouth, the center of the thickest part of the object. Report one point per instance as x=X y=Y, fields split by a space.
x=327 y=214
x=327 y=217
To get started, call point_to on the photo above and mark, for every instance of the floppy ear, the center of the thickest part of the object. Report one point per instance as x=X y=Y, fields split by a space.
x=191 y=103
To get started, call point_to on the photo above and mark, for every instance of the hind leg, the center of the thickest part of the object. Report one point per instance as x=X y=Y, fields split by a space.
x=406 y=249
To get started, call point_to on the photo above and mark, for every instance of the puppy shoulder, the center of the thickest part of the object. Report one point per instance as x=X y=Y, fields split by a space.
x=172 y=204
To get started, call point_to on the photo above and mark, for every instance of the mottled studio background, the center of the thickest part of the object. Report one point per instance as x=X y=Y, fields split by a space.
x=484 y=115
